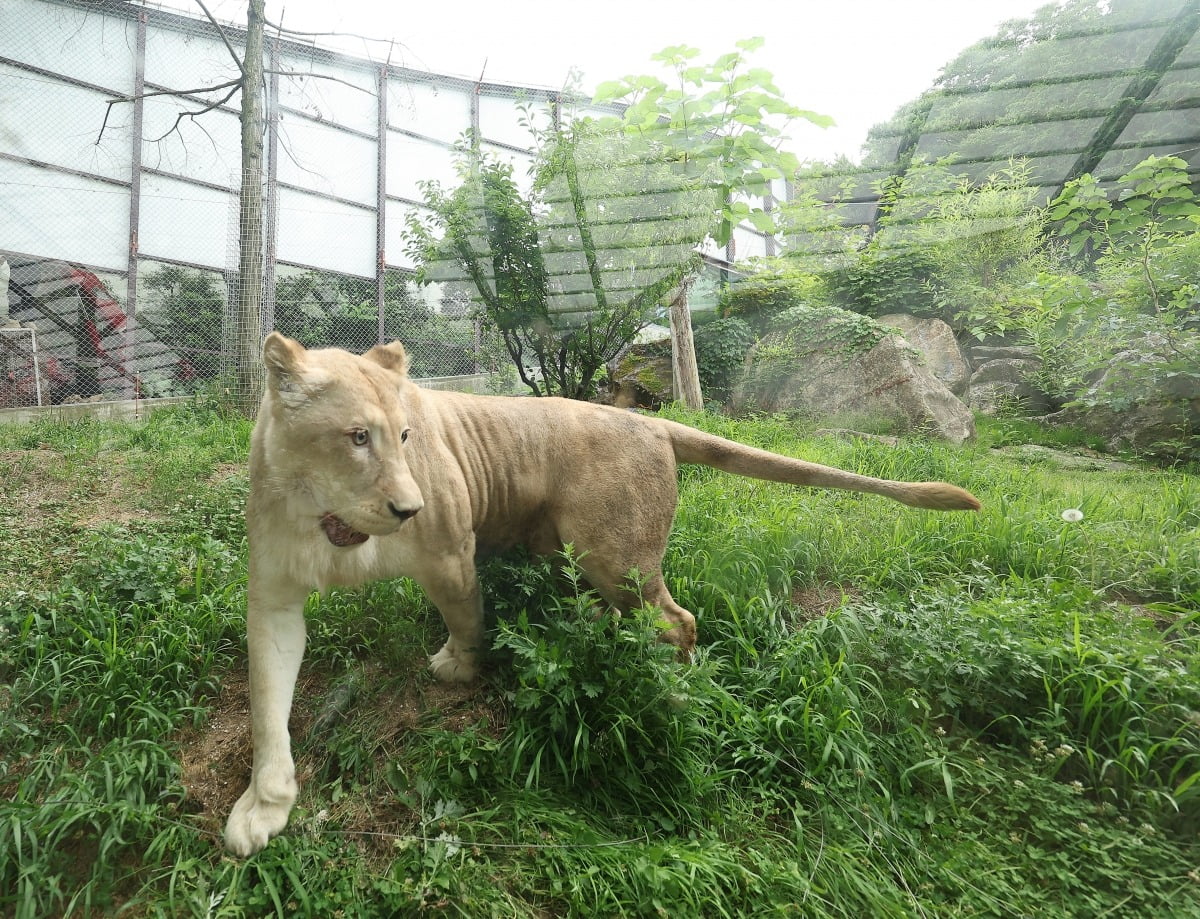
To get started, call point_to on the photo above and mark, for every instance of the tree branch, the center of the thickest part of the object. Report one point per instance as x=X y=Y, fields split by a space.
x=200 y=111
x=220 y=31
x=232 y=85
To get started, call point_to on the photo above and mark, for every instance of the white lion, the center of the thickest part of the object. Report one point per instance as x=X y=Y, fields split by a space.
x=356 y=474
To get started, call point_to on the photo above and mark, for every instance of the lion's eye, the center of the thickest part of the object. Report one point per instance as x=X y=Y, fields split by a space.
x=404 y=435
x=360 y=437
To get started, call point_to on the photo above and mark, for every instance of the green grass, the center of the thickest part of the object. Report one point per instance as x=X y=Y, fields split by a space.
x=891 y=712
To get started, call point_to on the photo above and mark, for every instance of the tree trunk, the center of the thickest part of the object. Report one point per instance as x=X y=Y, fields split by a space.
x=247 y=319
x=683 y=350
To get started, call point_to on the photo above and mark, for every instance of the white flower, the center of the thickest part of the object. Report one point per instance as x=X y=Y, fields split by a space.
x=1072 y=515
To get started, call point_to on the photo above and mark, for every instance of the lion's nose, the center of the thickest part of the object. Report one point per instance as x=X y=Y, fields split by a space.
x=402 y=513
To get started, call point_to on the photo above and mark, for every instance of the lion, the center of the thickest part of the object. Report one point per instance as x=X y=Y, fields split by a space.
x=356 y=473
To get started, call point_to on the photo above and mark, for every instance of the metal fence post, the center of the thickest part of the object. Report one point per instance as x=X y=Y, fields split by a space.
x=381 y=203
x=271 y=204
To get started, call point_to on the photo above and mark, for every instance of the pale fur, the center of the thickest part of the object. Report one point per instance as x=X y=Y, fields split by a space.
x=477 y=473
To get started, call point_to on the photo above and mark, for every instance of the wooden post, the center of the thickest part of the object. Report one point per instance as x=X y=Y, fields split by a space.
x=248 y=320
x=683 y=350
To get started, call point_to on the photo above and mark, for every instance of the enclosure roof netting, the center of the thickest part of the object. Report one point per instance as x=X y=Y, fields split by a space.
x=1079 y=88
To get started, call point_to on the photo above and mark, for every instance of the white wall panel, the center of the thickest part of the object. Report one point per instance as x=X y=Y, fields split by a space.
x=748 y=244
x=25 y=130
x=342 y=94
x=438 y=110
x=183 y=60
x=63 y=216
x=410 y=161
x=326 y=234
x=500 y=120
x=396 y=223
x=207 y=148
x=83 y=44
x=185 y=222
x=322 y=158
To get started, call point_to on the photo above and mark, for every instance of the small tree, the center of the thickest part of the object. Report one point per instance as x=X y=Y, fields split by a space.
x=724 y=123
x=482 y=236
x=1145 y=240
x=570 y=273
x=1142 y=250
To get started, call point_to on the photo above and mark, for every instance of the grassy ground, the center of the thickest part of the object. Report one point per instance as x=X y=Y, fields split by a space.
x=892 y=712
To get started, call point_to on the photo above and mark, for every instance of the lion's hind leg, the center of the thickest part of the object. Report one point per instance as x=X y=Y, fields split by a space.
x=629 y=588
x=682 y=631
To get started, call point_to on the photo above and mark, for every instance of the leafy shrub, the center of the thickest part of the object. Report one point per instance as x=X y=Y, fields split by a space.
x=760 y=298
x=721 y=348
x=1050 y=670
x=877 y=282
x=187 y=312
x=598 y=705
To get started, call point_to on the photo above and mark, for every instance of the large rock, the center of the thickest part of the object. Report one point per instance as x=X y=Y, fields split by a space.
x=1000 y=385
x=829 y=364
x=938 y=346
x=1135 y=408
x=642 y=374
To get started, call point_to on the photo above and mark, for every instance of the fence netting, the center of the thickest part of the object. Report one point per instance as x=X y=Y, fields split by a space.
x=120 y=175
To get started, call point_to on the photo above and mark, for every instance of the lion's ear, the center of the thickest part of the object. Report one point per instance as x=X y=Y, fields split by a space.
x=392 y=356
x=288 y=373
x=282 y=356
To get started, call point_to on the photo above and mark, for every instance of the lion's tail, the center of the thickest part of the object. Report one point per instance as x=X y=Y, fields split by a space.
x=693 y=446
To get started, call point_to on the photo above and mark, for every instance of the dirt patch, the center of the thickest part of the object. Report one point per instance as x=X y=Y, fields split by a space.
x=815 y=601
x=216 y=758
x=36 y=484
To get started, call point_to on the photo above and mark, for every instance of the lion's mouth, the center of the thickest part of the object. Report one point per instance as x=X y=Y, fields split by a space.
x=341 y=533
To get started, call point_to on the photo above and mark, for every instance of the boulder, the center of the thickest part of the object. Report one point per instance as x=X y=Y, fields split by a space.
x=642 y=375
x=1000 y=384
x=1166 y=429
x=935 y=341
x=830 y=364
x=981 y=354
x=1135 y=408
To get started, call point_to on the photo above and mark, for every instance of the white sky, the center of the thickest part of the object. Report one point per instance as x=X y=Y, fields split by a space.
x=856 y=60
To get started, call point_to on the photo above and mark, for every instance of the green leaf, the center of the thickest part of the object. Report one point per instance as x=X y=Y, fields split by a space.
x=611 y=89
x=1180 y=209
x=763 y=221
x=821 y=121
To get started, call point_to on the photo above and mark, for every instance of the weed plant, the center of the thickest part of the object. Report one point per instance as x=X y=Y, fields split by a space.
x=984 y=715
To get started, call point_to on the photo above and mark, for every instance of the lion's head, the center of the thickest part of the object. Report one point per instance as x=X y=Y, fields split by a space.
x=338 y=430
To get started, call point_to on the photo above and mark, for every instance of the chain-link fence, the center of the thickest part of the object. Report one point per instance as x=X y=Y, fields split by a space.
x=119 y=177
x=119 y=184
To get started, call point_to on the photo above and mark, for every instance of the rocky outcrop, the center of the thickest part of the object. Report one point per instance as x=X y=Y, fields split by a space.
x=642 y=375
x=830 y=364
x=1000 y=385
x=935 y=341
x=1135 y=407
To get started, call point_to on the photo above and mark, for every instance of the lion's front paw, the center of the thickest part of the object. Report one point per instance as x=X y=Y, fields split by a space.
x=451 y=665
x=254 y=820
